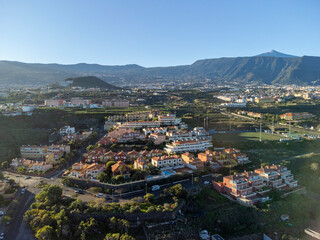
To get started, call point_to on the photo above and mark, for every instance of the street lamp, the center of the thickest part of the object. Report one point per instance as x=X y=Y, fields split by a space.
x=192 y=179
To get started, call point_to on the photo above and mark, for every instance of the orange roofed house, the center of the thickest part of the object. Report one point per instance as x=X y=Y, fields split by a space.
x=120 y=168
x=296 y=116
x=140 y=163
x=85 y=170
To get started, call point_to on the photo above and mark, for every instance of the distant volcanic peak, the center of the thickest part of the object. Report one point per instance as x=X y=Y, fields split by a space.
x=274 y=53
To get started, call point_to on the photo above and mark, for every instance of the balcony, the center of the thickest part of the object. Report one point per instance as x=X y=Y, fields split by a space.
x=244 y=189
x=280 y=185
x=258 y=186
x=249 y=195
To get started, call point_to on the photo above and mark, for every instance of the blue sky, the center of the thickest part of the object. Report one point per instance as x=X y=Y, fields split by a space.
x=155 y=32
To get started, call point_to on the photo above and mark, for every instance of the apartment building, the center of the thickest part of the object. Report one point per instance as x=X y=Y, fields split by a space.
x=54 y=102
x=167 y=161
x=139 y=125
x=238 y=186
x=35 y=151
x=161 y=130
x=277 y=176
x=179 y=135
x=116 y=103
x=77 y=102
x=125 y=135
x=169 y=119
x=254 y=184
x=188 y=146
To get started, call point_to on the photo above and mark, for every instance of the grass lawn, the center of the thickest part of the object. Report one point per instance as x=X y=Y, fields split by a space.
x=244 y=136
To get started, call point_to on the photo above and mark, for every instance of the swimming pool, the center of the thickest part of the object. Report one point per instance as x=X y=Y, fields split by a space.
x=167 y=173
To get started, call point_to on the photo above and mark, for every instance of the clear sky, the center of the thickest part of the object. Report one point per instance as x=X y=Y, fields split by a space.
x=155 y=32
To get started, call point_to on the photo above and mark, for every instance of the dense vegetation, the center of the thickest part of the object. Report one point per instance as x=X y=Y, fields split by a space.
x=55 y=217
x=89 y=82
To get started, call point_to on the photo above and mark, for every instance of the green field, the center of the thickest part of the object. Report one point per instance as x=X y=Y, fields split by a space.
x=244 y=136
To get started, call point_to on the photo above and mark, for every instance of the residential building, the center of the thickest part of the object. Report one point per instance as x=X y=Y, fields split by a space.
x=168 y=120
x=84 y=170
x=140 y=163
x=265 y=100
x=35 y=151
x=238 y=186
x=125 y=135
x=157 y=138
x=115 y=103
x=31 y=164
x=188 y=146
x=139 y=125
x=67 y=130
x=54 y=102
x=120 y=168
x=297 y=116
x=167 y=161
x=77 y=102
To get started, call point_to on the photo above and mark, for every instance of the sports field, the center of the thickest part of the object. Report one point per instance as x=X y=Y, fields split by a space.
x=244 y=136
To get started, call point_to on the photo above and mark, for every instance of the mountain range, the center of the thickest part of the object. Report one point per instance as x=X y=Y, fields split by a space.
x=268 y=68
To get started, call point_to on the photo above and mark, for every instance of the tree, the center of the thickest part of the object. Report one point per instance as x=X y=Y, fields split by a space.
x=5 y=219
x=149 y=197
x=50 y=195
x=118 y=236
x=177 y=191
x=102 y=177
x=86 y=227
x=4 y=165
x=120 y=225
x=89 y=148
x=108 y=166
x=275 y=195
x=46 y=233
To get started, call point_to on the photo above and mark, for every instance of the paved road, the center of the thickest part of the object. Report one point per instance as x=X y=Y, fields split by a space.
x=26 y=200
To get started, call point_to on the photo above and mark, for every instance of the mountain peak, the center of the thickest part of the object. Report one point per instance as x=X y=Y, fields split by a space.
x=274 y=53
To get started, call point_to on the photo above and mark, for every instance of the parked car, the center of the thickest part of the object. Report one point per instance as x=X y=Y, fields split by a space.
x=100 y=195
x=1 y=213
x=79 y=191
x=1 y=235
x=107 y=197
x=22 y=191
x=155 y=187
x=27 y=177
x=206 y=182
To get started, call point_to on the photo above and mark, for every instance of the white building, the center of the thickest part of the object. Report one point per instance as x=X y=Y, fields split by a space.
x=67 y=130
x=167 y=161
x=139 y=124
x=188 y=146
x=169 y=119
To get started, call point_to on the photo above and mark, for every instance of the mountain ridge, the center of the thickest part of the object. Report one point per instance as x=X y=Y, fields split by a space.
x=256 y=69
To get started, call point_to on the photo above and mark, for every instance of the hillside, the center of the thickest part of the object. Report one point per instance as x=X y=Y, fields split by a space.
x=278 y=69
x=89 y=82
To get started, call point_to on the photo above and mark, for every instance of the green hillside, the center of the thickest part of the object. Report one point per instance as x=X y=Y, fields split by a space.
x=89 y=82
